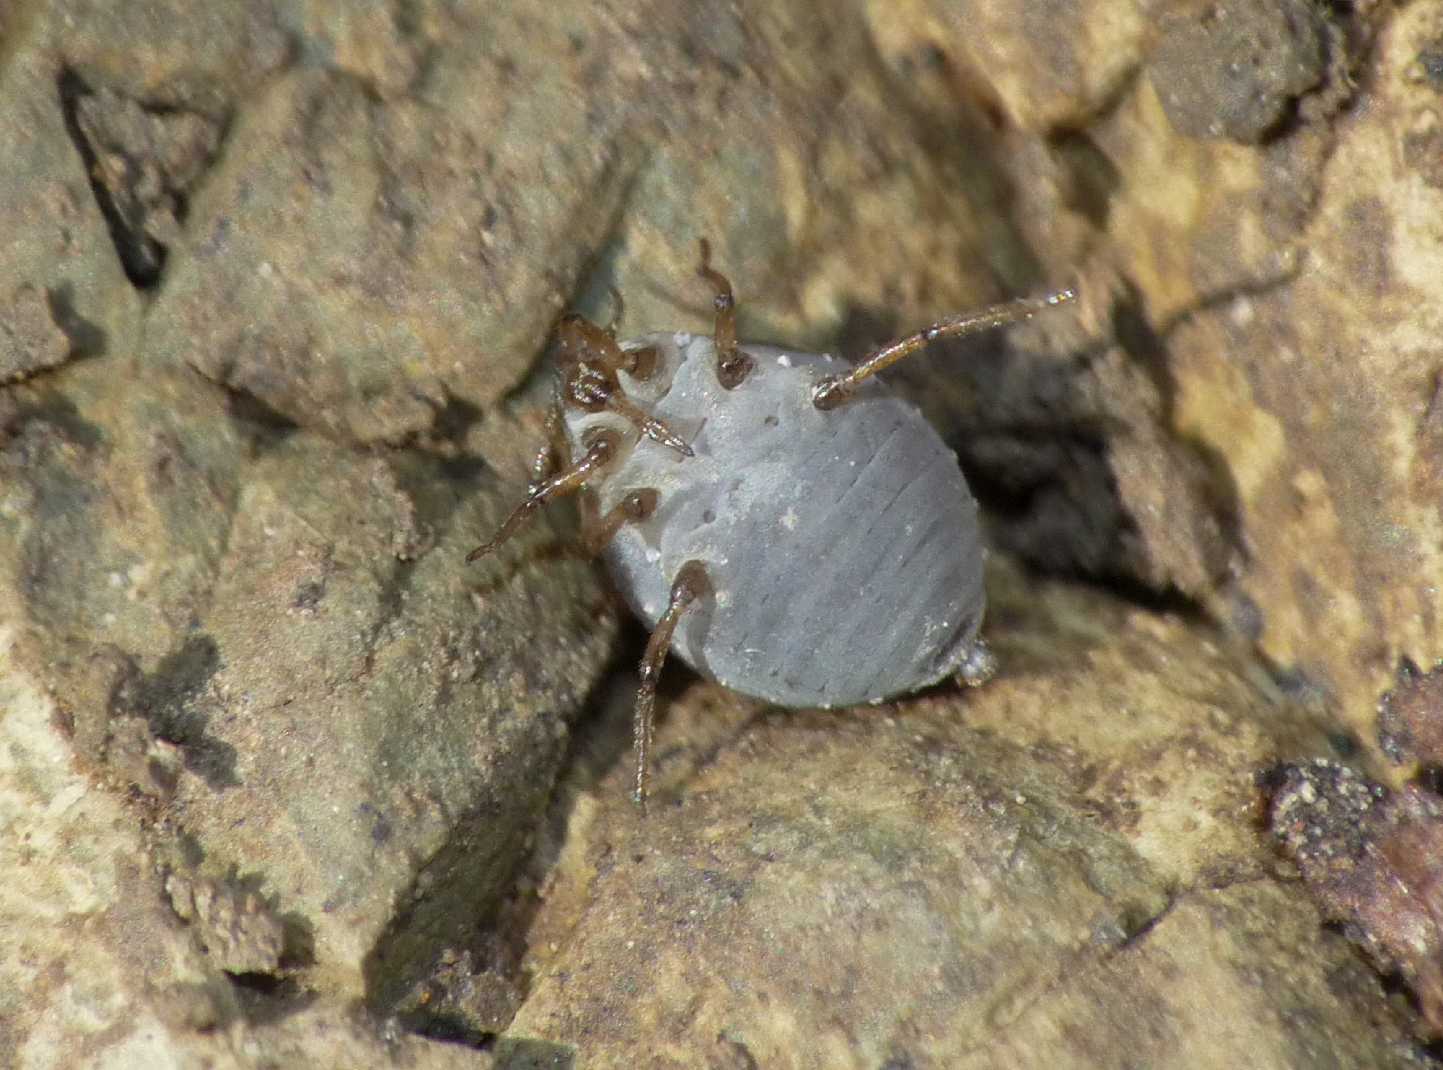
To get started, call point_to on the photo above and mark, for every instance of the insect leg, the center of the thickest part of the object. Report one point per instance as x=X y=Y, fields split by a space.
x=690 y=584
x=835 y=389
x=593 y=391
x=636 y=506
x=581 y=342
x=650 y=426
x=732 y=364
x=569 y=481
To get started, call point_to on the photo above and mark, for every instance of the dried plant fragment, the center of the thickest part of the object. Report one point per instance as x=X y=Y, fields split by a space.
x=1410 y=717
x=1373 y=860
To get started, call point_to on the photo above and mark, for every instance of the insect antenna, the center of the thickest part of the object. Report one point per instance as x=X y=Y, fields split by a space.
x=832 y=391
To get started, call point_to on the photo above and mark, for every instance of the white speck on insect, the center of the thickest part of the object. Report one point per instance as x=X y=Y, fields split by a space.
x=723 y=598
x=784 y=360
x=653 y=555
x=789 y=519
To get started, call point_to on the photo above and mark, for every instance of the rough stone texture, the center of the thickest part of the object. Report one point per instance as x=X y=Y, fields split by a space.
x=1248 y=999
x=97 y=971
x=357 y=221
x=233 y=925
x=30 y=339
x=1272 y=52
x=368 y=256
x=1034 y=66
x=1246 y=411
x=1317 y=395
x=360 y=265
x=115 y=504
x=387 y=725
x=295 y=628
x=60 y=270
x=994 y=880
x=143 y=164
x=168 y=53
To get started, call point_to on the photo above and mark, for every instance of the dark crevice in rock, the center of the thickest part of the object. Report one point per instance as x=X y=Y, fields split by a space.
x=1147 y=346
x=87 y=338
x=1095 y=178
x=267 y=427
x=141 y=162
x=1138 y=929
x=166 y=698
x=445 y=442
x=432 y=965
x=48 y=406
x=141 y=256
x=466 y=990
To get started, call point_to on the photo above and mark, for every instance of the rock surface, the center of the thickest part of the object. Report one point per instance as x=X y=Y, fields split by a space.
x=292 y=785
x=98 y=968
x=1055 y=878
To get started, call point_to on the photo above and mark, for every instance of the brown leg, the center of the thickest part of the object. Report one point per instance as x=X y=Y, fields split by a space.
x=568 y=481
x=732 y=364
x=579 y=341
x=592 y=391
x=835 y=389
x=635 y=507
x=690 y=584
x=639 y=363
x=650 y=426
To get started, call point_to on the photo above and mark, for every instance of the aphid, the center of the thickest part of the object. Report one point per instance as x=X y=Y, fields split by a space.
x=780 y=520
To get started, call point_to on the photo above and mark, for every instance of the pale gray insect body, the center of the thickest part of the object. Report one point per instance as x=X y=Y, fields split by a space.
x=782 y=521
x=842 y=548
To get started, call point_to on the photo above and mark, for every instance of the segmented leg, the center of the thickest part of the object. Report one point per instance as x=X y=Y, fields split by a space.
x=572 y=479
x=633 y=508
x=579 y=341
x=690 y=584
x=732 y=364
x=650 y=426
x=593 y=392
x=835 y=389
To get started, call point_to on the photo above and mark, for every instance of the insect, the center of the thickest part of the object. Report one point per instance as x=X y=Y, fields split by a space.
x=780 y=520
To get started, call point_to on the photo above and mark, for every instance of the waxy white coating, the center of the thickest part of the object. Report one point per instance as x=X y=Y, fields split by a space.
x=843 y=546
